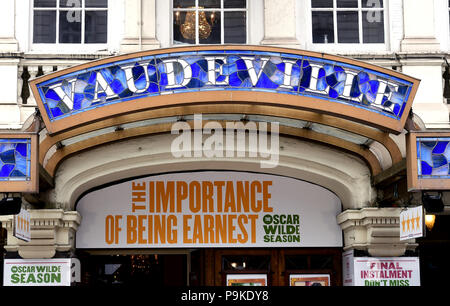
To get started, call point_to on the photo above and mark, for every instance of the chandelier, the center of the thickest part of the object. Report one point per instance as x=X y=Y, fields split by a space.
x=187 y=29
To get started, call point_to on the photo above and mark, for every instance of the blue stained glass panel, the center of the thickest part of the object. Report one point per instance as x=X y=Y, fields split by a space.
x=15 y=159
x=433 y=155
x=258 y=71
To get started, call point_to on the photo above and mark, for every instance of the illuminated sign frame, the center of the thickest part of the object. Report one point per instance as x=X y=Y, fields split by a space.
x=239 y=74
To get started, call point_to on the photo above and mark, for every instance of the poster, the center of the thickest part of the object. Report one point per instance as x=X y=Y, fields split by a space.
x=209 y=209
x=411 y=223
x=348 y=262
x=22 y=225
x=308 y=280
x=37 y=272
x=384 y=271
x=246 y=279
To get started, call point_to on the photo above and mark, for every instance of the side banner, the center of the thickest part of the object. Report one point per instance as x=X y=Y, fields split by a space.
x=37 y=272
x=210 y=209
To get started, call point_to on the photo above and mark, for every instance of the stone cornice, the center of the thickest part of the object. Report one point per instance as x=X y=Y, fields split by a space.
x=51 y=230
x=375 y=230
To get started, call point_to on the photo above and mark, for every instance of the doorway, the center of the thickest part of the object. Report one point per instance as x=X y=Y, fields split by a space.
x=211 y=267
x=278 y=265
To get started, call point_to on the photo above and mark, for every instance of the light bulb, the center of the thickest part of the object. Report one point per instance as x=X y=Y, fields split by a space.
x=429 y=221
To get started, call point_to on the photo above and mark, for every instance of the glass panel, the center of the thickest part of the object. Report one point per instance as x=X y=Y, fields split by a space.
x=235 y=27
x=96 y=27
x=183 y=3
x=322 y=27
x=234 y=3
x=373 y=27
x=96 y=3
x=372 y=3
x=44 y=27
x=209 y=3
x=70 y=27
x=347 y=3
x=184 y=27
x=209 y=32
x=347 y=26
x=44 y=3
x=70 y=3
x=321 y=3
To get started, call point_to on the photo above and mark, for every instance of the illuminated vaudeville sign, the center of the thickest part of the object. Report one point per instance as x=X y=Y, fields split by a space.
x=209 y=209
x=242 y=74
x=428 y=161
x=18 y=163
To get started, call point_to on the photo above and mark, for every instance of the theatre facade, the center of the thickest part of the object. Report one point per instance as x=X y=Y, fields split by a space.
x=213 y=164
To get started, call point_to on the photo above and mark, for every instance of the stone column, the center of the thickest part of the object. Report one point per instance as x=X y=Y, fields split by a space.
x=280 y=25
x=9 y=66
x=140 y=26
x=52 y=230
x=10 y=112
x=418 y=26
x=374 y=230
x=420 y=37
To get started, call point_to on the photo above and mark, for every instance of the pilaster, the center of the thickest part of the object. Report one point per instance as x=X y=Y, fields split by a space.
x=140 y=26
x=9 y=69
x=8 y=42
x=280 y=23
x=419 y=27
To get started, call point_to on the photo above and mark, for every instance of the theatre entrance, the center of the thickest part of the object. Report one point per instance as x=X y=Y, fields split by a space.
x=211 y=267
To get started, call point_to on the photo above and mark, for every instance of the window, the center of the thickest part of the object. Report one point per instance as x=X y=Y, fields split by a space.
x=347 y=21
x=209 y=21
x=70 y=21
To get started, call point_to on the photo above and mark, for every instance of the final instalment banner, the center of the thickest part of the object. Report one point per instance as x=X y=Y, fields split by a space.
x=209 y=209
